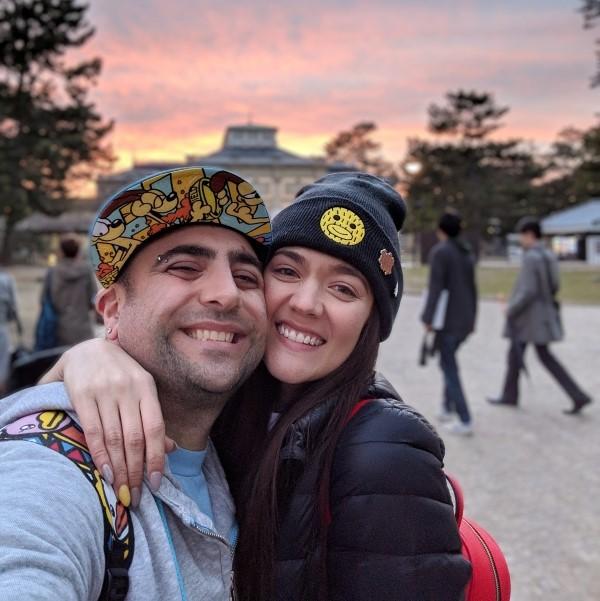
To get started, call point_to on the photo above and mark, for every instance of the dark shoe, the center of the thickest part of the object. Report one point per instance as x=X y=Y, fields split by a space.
x=501 y=401
x=578 y=406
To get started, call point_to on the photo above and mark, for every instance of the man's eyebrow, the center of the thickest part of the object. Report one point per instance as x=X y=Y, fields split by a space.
x=241 y=256
x=294 y=256
x=189 y=249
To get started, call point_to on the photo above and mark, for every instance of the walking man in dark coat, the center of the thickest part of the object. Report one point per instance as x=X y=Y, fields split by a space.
x=452 y=275
x=532 y=317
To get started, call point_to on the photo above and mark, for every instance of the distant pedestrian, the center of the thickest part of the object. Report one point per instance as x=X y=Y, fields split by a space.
x=8 y=313
x=533 y=317
x=451 y=283
x=72 y=289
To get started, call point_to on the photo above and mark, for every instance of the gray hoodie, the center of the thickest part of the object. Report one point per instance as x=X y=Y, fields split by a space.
x=51 y=526
x=72 y=289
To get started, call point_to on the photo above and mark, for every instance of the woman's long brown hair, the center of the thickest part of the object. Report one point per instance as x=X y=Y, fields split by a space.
x=251 y=456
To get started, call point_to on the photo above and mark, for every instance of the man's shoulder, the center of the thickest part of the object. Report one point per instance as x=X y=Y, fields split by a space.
x=45 y=464
x=36 y=423
x=51 y=522
x=440 y=250
x=533 y=257
x=35 y=399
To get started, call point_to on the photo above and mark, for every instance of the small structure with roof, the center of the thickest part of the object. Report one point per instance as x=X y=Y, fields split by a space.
x=575 y=232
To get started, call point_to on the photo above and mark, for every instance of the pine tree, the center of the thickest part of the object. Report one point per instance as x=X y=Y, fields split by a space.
x=50 y=132
x=488 y=181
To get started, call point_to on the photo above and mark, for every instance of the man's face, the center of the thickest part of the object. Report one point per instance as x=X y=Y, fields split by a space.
x=527 y=239
x=192 y=311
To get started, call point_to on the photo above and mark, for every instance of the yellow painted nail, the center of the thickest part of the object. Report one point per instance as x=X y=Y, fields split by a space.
x=124 y=495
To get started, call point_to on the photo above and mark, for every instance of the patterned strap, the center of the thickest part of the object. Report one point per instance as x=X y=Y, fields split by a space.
x=57 y=431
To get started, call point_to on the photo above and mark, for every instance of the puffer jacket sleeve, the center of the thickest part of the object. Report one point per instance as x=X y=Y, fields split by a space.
x=393 y=536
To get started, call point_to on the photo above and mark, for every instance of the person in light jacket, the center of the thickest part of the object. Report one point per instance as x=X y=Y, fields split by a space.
x=533 y=317
x=188 y=303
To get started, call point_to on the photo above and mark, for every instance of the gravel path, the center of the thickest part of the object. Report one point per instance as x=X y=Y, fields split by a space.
x=530 y=475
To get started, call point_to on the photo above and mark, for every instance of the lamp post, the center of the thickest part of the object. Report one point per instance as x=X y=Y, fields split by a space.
x=412 y=168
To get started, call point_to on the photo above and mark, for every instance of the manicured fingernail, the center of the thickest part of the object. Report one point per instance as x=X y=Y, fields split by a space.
x=107 y=473
x=124 y=495
x=135 y=497
x=155 y=479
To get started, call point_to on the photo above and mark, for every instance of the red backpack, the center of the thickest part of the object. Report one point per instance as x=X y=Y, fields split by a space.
x=490 y=579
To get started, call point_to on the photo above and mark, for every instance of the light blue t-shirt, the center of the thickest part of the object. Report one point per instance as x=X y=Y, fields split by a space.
x=187 y=468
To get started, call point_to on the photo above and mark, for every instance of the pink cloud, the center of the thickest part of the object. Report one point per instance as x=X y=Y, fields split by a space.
x=175 y=75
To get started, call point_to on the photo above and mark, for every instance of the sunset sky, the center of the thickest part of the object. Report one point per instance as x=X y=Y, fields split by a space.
x=177 y=72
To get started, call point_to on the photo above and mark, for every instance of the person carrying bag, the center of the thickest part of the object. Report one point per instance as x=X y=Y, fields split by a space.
x=47 y=323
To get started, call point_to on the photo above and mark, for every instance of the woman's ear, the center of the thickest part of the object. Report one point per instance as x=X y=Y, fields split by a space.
x=107 y=305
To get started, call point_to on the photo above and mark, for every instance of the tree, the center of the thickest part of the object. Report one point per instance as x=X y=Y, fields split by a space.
x=50 y=133
x=356 y=148
x=467 y=116
x=573 y=168
x=487 y=181
x=591 y=13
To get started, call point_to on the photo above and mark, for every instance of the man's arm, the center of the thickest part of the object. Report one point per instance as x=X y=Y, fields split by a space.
x=437 y=282
x=526 y=288
x=51 y=528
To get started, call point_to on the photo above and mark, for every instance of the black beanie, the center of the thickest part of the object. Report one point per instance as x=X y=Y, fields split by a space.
x=355 y=217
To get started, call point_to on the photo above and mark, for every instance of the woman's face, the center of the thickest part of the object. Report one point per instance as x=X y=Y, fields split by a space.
x=317 y=308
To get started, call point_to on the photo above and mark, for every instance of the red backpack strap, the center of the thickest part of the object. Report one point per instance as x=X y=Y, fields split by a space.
x=459 y=502
x=357 y=408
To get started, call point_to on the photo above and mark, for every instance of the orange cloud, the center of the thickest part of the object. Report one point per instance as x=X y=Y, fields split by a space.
x=175 y=75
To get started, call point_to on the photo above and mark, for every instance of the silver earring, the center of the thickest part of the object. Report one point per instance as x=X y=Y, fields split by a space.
x=108 y=330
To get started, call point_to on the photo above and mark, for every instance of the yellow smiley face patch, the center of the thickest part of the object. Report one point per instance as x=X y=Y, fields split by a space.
x=342 y=226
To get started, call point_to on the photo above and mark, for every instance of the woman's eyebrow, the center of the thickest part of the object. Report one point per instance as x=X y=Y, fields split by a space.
x=290 y=254
x=349 y=270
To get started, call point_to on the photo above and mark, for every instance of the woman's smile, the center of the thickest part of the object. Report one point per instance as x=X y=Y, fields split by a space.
x=299 y=335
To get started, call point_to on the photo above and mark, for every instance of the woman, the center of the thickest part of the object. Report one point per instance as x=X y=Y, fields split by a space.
x=337 y=500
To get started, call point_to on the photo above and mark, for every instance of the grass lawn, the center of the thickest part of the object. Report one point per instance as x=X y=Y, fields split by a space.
x=580 y=285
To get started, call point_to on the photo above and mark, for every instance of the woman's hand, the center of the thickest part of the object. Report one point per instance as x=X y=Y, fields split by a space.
x=117 y=404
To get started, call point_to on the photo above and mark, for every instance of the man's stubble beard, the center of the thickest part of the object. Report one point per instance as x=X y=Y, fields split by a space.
x=193 y=386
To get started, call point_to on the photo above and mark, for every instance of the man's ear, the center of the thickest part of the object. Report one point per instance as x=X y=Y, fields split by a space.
x=107 y=304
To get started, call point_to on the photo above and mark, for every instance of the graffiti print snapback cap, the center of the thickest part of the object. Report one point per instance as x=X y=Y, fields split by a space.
x=186 y=196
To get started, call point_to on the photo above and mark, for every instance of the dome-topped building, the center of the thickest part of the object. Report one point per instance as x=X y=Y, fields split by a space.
x=249 y=150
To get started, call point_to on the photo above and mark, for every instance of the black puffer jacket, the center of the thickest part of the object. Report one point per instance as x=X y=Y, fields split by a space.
x=393 y=536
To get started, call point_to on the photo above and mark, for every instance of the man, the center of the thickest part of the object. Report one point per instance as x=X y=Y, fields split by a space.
x=532 y=317
x=184 y=297
x=452 y=282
